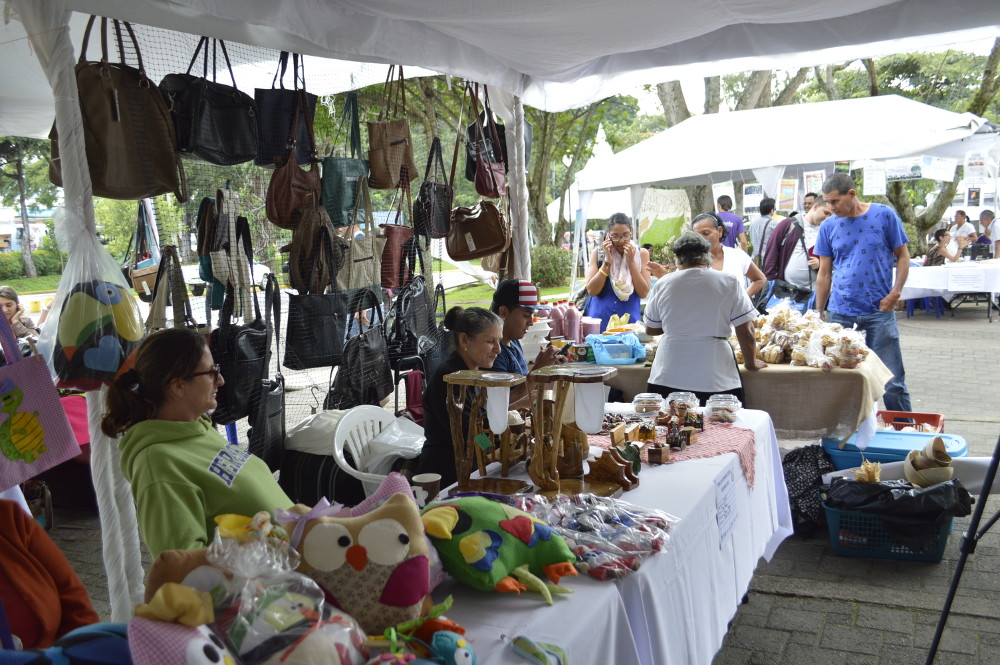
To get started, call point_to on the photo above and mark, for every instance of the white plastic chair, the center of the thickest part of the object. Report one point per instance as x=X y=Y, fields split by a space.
x=355 y=432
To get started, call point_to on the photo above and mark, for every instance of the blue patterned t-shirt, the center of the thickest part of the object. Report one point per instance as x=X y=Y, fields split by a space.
x=863 y=260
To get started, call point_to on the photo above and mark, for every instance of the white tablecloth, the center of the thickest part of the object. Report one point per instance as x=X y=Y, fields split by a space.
x=677 y=607
x=926 y=282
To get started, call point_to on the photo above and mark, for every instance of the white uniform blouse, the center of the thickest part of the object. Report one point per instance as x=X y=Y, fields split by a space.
x=697 y=309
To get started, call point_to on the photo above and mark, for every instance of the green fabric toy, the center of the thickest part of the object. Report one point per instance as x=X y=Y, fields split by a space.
x=490 y=545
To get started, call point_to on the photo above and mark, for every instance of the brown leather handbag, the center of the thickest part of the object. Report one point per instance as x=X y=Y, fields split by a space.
x=491 y=176
x=396 y=235
x=292 y=188
x=129 y=136
x=390 y=146
x=477 y=232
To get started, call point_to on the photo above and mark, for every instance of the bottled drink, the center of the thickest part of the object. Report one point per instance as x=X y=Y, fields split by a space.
x=571 y=323
x=556 y=321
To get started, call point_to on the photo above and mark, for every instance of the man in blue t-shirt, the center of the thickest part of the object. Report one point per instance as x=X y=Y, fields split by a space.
x=735 y=229
x=515 y=301
x=858 y=248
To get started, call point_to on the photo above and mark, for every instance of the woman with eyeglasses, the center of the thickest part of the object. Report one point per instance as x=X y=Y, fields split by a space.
x=617 y=279
x=182 y=471
x=943 y=249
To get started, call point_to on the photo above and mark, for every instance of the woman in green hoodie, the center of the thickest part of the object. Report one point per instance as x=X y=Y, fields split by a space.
x=183 y=472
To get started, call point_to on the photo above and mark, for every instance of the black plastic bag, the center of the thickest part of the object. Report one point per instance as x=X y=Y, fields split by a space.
x=912 y=514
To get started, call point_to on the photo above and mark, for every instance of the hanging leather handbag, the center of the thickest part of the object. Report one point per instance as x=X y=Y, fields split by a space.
x=390 y=146
x=276 y=112
x=396 y=235
x=342 y=174
x=477 y=231
x=129 y=137
x=491 y=175
x=364 y=376
x=214 y=123
x=170 y=289
x=144 y=268
x=243 y=353
x=486 y=119
x=435 y=347
x=317 y=320
x=291 y=187
x=432 y=207
x=363 y=265
x=266 y=436
x=410 y=321
x=306 y=246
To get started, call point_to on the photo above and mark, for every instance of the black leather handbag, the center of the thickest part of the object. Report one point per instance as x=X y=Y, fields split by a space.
x=214 y=123
x=318 y=321
x=432 y=208
x=434 y=348
x=243 y=354
x=276 y=111
x=364 y=376
x=410 y=321
x=267 y=419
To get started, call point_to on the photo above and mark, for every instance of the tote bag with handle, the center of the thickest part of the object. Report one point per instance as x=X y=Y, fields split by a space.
x=390 y=146
x=35 y=434
x=276 y=112
x=341 y=175
x=363 y=264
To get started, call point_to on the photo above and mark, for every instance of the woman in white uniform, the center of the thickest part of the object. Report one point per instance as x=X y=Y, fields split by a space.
x=728 y=259
x=695 y=308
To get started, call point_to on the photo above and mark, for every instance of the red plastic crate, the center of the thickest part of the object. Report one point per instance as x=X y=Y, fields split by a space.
x=935 y=420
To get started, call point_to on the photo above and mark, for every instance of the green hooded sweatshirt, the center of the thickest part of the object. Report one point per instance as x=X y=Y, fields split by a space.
x=184 y=474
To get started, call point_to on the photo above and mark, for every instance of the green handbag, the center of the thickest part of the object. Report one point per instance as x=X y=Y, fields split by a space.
x=341 y=174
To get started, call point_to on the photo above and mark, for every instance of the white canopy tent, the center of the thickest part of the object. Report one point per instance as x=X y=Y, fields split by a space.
x=740 y=145
x=553 y=55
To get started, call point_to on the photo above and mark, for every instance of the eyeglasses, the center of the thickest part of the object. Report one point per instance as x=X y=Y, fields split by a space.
x=214 y=372
x=615 y=236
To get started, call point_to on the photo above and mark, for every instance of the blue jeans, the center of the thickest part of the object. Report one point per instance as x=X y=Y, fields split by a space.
x=882 y=337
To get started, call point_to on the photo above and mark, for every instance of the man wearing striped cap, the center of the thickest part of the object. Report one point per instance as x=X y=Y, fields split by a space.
x=515 y=301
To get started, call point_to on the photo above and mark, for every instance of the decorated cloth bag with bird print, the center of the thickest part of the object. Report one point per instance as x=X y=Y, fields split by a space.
x=35 y=434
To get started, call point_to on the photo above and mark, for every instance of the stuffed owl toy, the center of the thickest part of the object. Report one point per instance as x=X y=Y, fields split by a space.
x=491 y=545
x=375 y=566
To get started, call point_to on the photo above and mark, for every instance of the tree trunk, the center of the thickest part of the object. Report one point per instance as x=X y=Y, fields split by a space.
x=538 y=182
x=29 y=261
x=756 y=85
x=872 y=76
x=825 y=77
x=787 y=93
x=562 y=224
x=988 y=87
x=675 y=107
x=713 y=94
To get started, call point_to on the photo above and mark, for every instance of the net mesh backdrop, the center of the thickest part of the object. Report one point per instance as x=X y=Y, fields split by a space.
x=244 y=188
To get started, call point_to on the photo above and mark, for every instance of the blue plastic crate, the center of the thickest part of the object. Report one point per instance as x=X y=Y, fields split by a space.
x=853 y=533
x=889 y=446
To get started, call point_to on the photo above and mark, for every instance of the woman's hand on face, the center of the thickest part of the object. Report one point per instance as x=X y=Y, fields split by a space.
x=628 y=250
x=608 y=246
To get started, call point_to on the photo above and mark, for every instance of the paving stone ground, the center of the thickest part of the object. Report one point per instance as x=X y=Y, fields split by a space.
x=808 y=606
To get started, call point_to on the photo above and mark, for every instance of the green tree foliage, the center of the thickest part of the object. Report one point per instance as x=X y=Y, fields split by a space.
x=25 y=183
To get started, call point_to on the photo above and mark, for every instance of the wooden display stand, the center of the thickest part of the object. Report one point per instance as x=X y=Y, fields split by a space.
x=466 y=447
x=556 y=447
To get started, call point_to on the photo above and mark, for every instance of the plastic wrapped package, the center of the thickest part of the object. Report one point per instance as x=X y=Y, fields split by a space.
x=267 y=611
x=94 y=323
x=609 y=537
x=815 y=354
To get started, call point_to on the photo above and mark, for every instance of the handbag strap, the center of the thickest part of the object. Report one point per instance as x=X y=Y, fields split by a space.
x=11 y=353
x=411 y=256
x=216 y=44
x=459 y=133
x=301 y=108
x=313 y=285
x=393 y=95
x=350 y=113
x=805 y=252
x=363 y=296
x=272 y=303
x=499 y=149
x=435 y=160
x=364 y=198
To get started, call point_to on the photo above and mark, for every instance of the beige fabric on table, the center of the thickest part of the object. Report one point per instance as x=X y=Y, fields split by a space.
x=804 y=402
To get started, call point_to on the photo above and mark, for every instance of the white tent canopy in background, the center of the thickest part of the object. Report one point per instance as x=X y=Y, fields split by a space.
x=739 y=145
